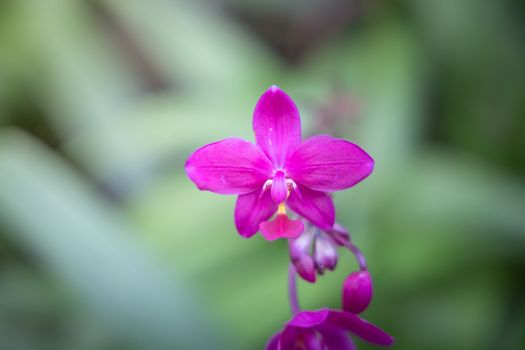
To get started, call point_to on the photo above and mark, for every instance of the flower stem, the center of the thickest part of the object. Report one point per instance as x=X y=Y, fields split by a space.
x=358 y=255
x=292 y=290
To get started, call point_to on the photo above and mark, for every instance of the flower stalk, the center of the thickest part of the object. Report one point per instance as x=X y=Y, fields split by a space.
x=292 y=290
x=358 y=255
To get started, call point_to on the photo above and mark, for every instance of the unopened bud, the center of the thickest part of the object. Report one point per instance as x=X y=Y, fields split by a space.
x=357 y=291
x=325 y=254
x=301 y=245
x=305 y=267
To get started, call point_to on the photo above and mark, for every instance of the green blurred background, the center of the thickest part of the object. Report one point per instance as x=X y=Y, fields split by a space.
x=105 y=244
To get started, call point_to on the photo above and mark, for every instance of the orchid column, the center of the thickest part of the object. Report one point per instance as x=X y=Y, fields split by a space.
x=284 y=187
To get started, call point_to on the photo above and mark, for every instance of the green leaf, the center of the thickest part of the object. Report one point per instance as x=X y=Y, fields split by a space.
x=84 y=242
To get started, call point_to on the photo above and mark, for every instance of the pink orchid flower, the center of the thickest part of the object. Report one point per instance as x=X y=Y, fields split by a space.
x=326 y=329
x=279 y=171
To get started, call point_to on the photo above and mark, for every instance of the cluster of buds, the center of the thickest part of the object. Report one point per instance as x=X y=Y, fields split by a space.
x=282 y=174
x=313 y=253
x=316 y=250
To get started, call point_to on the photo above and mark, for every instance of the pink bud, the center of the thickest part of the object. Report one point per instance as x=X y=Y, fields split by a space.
x=305 y=267
x=301 y=245
x=357 y=292
x=325 y=254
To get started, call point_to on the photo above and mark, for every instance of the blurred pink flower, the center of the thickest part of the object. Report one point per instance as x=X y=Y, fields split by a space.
x=326 y=329
x=279 y=171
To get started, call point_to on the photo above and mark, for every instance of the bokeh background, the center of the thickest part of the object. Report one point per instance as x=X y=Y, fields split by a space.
x=105 y=244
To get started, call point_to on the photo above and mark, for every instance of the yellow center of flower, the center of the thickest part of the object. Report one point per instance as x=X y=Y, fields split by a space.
x=282 y=209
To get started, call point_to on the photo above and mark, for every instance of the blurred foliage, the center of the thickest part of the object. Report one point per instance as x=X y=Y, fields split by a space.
x=104 y=243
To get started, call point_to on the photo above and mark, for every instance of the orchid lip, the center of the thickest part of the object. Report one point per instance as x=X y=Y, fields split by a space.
x=281 y=226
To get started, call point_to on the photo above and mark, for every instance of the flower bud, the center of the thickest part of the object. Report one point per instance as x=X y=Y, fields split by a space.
x=325 y=254
x=301 y=245
x=305 y=267
x=357 y=292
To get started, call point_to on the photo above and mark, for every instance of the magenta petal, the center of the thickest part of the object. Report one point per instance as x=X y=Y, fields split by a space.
x=312 y=341
x=251 y=209
x=359 y=327
x=307 y=319
x=230 y=166
x=277 y=125
x=290 y=337
x=273 y=342
x=279 y=187
x=317 y=207
x=281 y=227
x=335 y=339
x=328 y=164
x=357 y=292
x=305 y=267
